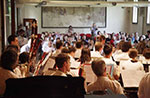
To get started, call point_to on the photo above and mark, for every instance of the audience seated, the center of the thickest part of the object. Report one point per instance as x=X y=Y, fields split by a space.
x=103 y=82
x=9 y=61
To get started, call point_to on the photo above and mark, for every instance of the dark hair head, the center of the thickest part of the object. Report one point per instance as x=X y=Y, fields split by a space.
x=133 y=53
x=13 y=47
x=101 y=38
x=98 y=67
x=126 y=46
x=107 y=49
x=141 y=46
x=85 y=55
x=120 y=44
x=61 y=59
x=86 y=51
x=146 y=53
x=24 y=57
x=79 y=44
x=65 y=50
x=11 y=38
x=59 y=44
x=98 y=46
x=71 y=49
x=9 y=59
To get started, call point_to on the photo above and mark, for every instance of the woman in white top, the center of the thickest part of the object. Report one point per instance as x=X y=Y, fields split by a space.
x=132 y=64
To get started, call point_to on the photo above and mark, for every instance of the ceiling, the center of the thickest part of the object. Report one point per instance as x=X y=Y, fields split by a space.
x=83 y=3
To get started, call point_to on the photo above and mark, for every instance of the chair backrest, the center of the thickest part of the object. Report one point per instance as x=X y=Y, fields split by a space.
x=45 y=86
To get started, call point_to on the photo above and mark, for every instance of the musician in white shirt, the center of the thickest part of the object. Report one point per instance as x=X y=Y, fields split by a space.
x=71 y=54
x=124 y=55
x=98 y=49
x=103 y=82
x=133 y=63
x=79 y=46
x=108 y=50
x=62 y=61
x=59 y=46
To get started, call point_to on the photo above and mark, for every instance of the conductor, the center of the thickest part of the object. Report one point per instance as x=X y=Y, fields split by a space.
x=93 y=31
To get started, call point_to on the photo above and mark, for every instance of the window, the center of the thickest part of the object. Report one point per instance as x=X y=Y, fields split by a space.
x=148 y=15
x=135 y=14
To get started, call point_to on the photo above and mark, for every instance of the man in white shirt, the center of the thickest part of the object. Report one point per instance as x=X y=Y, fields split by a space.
x=98 y=49
x=108 y=50
x=79 y=46
x=124 y=55
x=59 y=46
x=62 y=61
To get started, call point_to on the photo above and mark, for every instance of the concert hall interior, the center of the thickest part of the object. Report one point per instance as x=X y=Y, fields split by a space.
x=74 y=48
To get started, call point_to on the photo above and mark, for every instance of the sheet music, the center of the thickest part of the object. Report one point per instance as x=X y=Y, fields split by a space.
x=90 y=76
x=75 y=64
x=110 y=69
x=132 y=78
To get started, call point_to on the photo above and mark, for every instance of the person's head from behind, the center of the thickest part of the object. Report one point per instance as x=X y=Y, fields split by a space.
x=65 y=50
x=146 y=53
x=86 y=51
x=13 y=40
x=9 y=59
x=85 y=55
x=63 y=62
x=119 y=46
x=99 y=68
x=13 y=47
x=133 y=53
x=24 y=57
x=108 y=50
x=98 y=46
x=126 y=46
x=102 y=39
x=79 y=45
x=141 y=46
x=59 y=44
x=72 y=50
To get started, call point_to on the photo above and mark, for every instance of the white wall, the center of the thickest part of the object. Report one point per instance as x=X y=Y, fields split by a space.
x=117 y=19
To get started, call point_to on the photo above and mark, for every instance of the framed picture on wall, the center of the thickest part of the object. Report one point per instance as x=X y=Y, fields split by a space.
x=78 y=17
x=135 y=15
